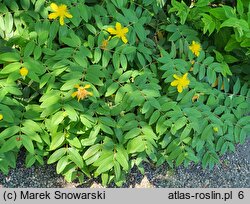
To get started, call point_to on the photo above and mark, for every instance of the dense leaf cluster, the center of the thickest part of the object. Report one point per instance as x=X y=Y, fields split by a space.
x=121 y=82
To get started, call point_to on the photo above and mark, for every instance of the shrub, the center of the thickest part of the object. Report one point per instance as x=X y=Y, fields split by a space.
x=98 y=88
x=227 y=26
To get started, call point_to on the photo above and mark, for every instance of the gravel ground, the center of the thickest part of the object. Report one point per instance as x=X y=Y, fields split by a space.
x=233 y=172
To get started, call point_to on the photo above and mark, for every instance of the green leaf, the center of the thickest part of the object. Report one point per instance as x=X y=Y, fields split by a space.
x=83 y=12
x=180 y=123
x=97 y=55
x=11 y=68
x=72 y=114
x=125 y=76
x=207 y=133
x=57 y=118
x=10 y=57
x=76 y=20
x=174 y=154
x=141 y=59
x=105 y=165
x=69 y=85
x=240 y=7
x=91 y=151
x=34 y=125
x=28 y=144
x=190 y=155
x=224 y=148
x=180 y=159
x=8 y=132
x=185 y=132
x=25 y=4
x=107 y=121
x=209 y=23
x=231 y=45
x=29 y=160
x=8 y=145
x=219 y=56
x=49 y=101
x=29 y=48
x=154 y=117
x=106 y=58
x=112 y=89
x=128 y=50
x=237 y=87
x=116 y=60
x=132 y=133
x=91 y=28
x=93 y=159
x=61 y=164
x=243 y=135
x=94 y=74
x=72 y=42
x=74 y=141
x=58 y=154
x=122 y=157
x=117 y=169
x=231 y=146
x=136 y=145
x=75 y=157
x=8 y=23
x=57 y=140
x=124 y=62
x=7 y=112
x=240 y=24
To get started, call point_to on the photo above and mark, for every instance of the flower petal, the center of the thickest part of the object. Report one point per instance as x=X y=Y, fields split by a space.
x=179 y=88
x=74 y=94
x=118 y=26
x=61 y=20
x=125 y=30
x=112 y=31
x=53 y=15
x=174 y=83
x=90 y=93
x=68 y=15
x=185 y=76
x=87 y=86
x=176 y=77
x=54 y=7
x=124 y=39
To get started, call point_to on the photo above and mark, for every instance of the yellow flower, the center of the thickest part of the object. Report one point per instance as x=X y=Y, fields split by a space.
x=105 y=43
x=24 y=71
x=59 y=11
x=181 y=82
x=195 y=97
x=81 y=92
x=1 y=117
x=195 y=48
x=215 y=129
x=119 y=32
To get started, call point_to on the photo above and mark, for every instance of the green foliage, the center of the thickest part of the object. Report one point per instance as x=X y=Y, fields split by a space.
x=97 y=106
x=227 y=26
